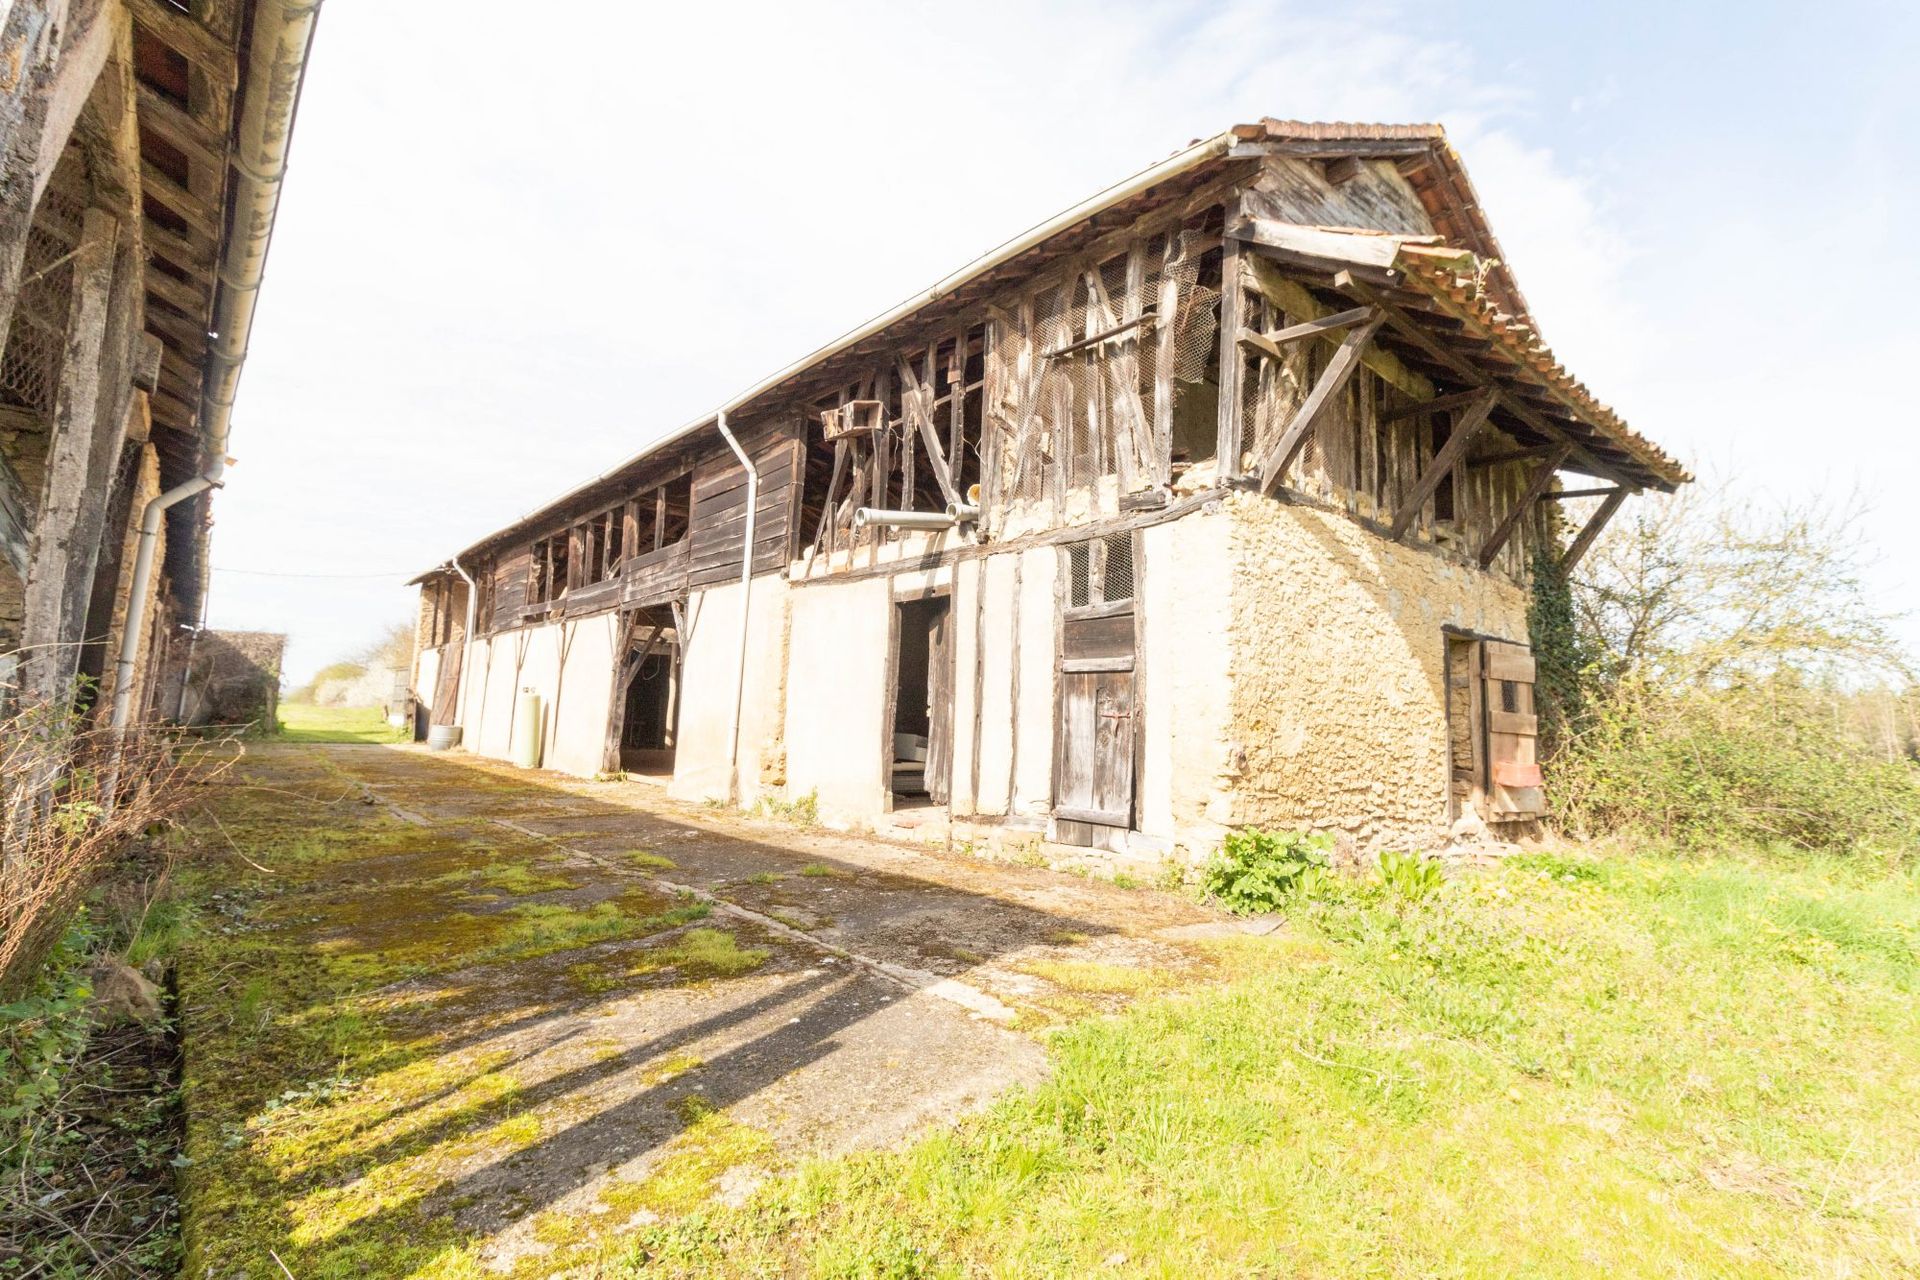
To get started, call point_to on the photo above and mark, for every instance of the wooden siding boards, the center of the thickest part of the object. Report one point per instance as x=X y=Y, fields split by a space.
x=719 y=510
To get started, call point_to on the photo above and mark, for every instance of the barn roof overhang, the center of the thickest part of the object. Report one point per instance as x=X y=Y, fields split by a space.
x=1491 y=312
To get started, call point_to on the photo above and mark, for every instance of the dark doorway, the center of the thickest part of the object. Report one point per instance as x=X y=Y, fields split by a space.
x=921 y=728
x=643 y=730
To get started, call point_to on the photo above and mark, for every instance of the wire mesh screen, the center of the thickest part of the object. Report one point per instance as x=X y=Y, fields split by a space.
x=1080 y=374
x=1079 y=575
x=36 y=343
x=1116 y=580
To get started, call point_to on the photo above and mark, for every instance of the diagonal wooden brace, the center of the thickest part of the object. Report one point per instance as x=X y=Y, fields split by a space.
x=1333 y=380
x=1464 y=432
x=1536 y=485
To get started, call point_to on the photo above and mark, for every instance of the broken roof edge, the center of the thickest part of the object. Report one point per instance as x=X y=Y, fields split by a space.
x=1189 y=157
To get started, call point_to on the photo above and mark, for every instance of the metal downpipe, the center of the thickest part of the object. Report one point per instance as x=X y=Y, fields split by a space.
x=746 y=600
x=466 y=647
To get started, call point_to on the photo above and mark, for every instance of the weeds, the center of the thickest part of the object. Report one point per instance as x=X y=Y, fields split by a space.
x=1260 y=871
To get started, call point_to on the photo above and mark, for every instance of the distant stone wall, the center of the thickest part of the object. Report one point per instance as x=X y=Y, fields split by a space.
x=233 y=677
x=1339 y=719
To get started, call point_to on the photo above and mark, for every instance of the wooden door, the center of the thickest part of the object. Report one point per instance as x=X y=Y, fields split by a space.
x=1513 y=762
x=1093 y=792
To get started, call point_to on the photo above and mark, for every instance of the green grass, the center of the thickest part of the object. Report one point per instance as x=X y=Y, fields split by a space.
x=304 y=722
x=1561 y=1067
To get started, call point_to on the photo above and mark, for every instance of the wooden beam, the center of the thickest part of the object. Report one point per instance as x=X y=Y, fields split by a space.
x=176 y=126
x=1536 y=485
x=190 y=298
x=178 y=250
x=1562 y=495
x=1270 y=343
x=1233 y=308
x=195 y=211
x=1467 y=371
x=912 y=386
x=1333 y=380
x=1512 y=455
x=212 y=55
x=1452 y=400
x=1298 y=301
x=1444 y=461
x=1591 y=530
x=16 y=519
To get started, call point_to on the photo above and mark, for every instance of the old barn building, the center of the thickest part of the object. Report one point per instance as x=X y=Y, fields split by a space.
x=144 y=143
x=1212 y=501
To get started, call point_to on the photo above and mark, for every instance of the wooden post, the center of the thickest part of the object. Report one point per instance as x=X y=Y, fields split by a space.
x=85 y=439
x=1166 y=309
x=1232 y=319
x=1584 y=540
x=1445 y=461
x=1536 y=485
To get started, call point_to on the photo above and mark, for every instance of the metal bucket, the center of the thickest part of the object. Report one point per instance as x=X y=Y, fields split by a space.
x=443 y=737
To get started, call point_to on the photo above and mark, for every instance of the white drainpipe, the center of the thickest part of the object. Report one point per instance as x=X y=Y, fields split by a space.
x=746 y=599
x=466 y=646
x=276 y=62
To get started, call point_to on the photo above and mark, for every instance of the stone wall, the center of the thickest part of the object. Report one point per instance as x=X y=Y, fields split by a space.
x=1339 y=718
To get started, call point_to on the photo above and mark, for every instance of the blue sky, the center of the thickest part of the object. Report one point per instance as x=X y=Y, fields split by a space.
x=510 y=256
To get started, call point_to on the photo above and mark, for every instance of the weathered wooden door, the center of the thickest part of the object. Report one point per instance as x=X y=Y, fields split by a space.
x=1094 y=733
x=1513 y=761
x=939 y=703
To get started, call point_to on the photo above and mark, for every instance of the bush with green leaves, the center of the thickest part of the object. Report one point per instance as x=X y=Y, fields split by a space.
x=1257 y=871
x=43 y=1031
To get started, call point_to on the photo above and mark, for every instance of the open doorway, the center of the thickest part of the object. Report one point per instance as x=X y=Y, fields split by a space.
x=920 y=730
x=644 y=731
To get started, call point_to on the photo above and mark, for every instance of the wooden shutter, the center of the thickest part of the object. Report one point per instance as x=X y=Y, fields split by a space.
x=1513 y=761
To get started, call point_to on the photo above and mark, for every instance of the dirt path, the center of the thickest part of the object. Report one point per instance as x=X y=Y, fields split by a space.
x=555 y=1009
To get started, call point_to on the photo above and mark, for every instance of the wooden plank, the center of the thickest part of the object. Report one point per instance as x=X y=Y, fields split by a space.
x=1270 y=343
x=16 y=519
x=1563 y=495
x=1444 y=462
x=1583 y=541
x=1074 y=755
x=1518 y=722
x=1536 y=485
x=1113 y=747
x=1232 y=320
x=1509 y=662
x=175 y=126
x=1332 y=382
x=192 y=41
x=1452 y=400
x=1120 y=662
x=190 y=207
x=1102 y=637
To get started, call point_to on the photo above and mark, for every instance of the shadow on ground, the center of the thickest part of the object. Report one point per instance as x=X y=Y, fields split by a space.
x=454 y=1016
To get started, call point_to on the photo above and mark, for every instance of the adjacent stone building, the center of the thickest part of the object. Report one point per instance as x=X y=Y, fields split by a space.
x=1212 y=502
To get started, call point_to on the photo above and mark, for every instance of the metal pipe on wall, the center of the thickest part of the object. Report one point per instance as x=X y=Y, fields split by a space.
x=901 y=519
x=746 y=600
x=466 y=646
